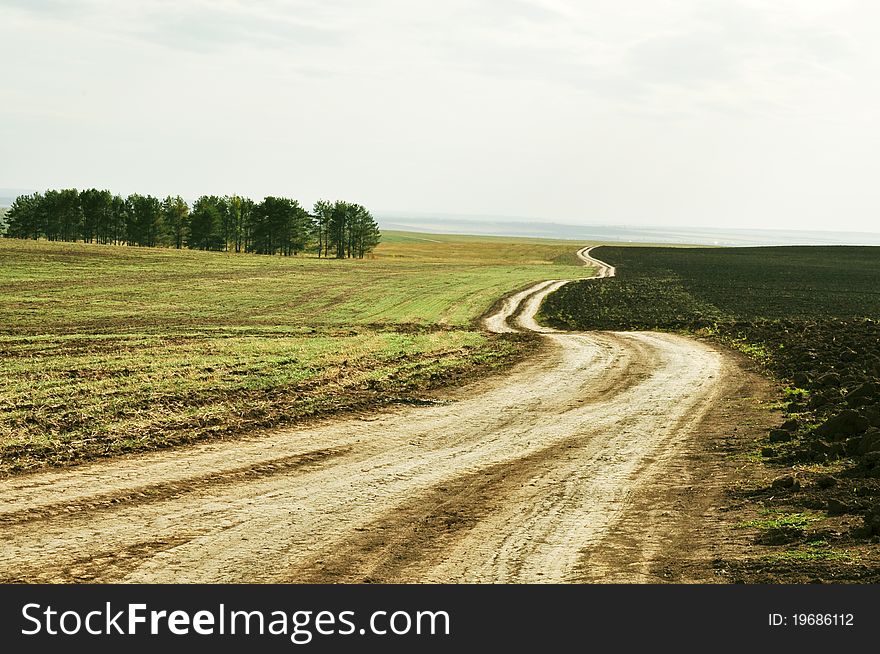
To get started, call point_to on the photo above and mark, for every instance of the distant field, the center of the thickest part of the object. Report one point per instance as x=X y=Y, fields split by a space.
x=77 y=287
x=115 y=349
x=679 y=288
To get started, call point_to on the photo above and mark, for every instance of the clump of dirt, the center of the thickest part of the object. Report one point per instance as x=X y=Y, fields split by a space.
x=830 y=433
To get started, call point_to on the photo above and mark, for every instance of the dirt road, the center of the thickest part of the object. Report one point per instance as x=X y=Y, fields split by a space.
x=519 y=479
x=517 y=311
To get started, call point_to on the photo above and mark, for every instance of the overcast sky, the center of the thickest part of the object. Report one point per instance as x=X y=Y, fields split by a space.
x=654 y=112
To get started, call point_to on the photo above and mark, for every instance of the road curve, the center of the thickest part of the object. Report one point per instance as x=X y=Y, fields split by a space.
x=514 y=479
x=516 y=312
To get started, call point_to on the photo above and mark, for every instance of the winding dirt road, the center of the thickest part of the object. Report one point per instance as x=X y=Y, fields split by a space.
x=517 y=311
x=518 y=479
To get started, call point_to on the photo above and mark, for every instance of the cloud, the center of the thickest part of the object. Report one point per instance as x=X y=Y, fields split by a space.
x=728 y=57
x=196 y=26
x=56 y=7
x=683 y=60
x=514 y=11
x=209 y=28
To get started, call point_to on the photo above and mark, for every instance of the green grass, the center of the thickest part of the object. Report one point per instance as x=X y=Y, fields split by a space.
x=52 y=287
x=778 y=520
x=815 y=551
x=108 y=350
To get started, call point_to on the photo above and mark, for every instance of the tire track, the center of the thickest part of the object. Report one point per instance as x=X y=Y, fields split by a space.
x=134 y=496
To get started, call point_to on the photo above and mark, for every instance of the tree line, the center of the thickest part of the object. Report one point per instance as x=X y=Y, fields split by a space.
x=231 y=223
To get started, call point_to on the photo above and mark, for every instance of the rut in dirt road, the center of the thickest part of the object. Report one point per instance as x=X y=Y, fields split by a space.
x=511 y=480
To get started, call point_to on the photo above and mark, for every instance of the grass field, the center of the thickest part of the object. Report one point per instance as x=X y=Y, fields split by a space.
x=109 y=350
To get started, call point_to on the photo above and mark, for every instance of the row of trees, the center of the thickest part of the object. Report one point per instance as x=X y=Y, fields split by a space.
x=232 y=223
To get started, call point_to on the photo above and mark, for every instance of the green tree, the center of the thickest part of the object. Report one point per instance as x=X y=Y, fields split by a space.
x=119 y=220
x=62 y=215
x=146 y=226
x=96 y=211
x=322 y=214
x=276 y=225
x=240 y=215
x=338 y=228
x=299 y=229
x=365 y=234
x=206 y=224
x=280 y=226
x=351 y=230
x=175 y=214
x=227 y=228
x=25 y=217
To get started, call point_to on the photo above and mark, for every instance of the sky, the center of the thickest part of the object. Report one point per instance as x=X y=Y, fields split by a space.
x=710 y=113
